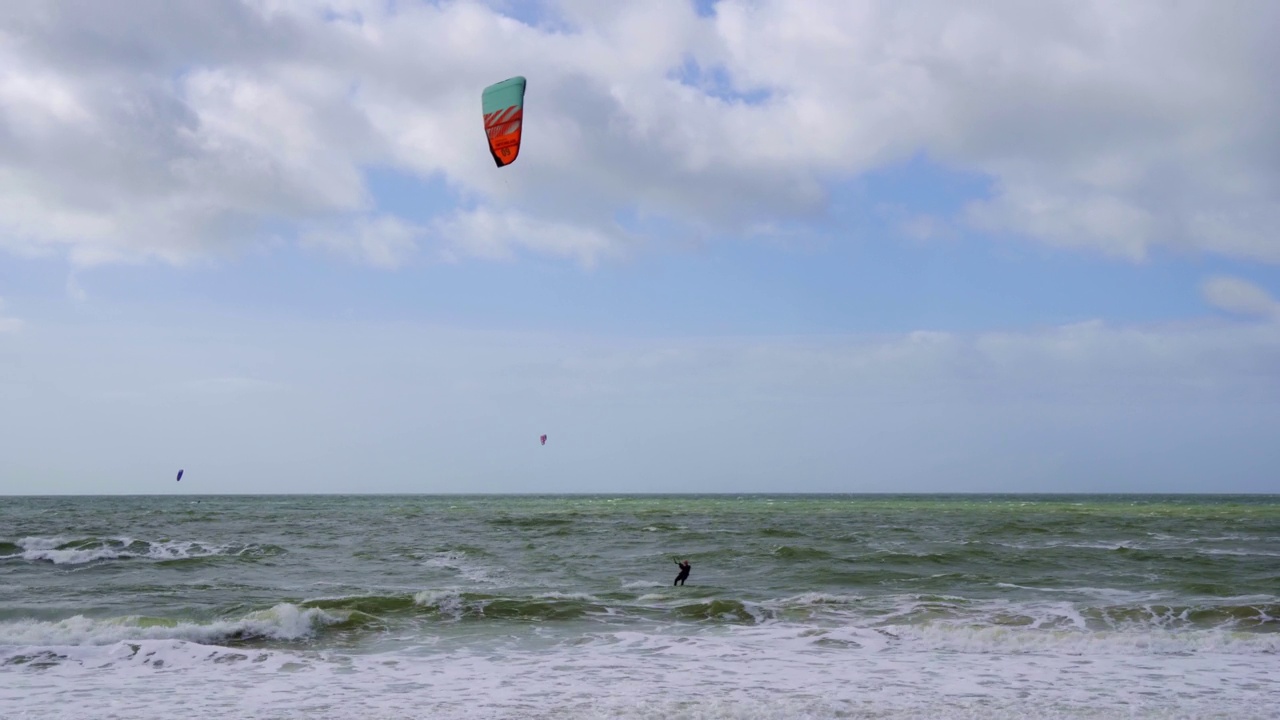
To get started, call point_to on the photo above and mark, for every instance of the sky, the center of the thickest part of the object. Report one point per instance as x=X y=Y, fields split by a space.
x=748 y=246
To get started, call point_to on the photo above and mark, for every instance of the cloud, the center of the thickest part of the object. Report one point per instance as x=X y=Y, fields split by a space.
x=179 y=131
x=497 y=235
x=288 y=406
x=145 y=149
x=1088 y=363
x=8 y=324
x=383 y=241
x=224 y=386
x=1240 y=296
x=75 y=290
x=1116 y=128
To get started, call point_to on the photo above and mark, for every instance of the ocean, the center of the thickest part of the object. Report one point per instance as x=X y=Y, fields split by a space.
x=798 y=606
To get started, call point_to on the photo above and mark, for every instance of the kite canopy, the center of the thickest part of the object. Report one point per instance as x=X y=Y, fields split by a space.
x=179 y=474
x=503 y=106
x=544 y=439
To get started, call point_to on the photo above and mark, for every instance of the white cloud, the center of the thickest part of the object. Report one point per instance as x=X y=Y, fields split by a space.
x=1240 y=296
x=228 y=386
x=383 y=241
x=178 y=131
x=1103 y=125
x=292 y=406
x=8 y=324
x=497 y=235
x=75 y=290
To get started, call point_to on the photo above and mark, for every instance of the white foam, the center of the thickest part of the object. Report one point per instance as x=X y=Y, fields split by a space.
x=731 y=672
x=37 y=549
x=641 y=584
x=1079 y=642
x=821 y=599
x=282 y=622
x=446 y=602
x=458 y=562
x=1114 y=595
x=554 y=595
x=1240 y=553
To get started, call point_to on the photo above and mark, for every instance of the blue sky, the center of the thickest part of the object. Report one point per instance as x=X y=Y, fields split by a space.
x=835 y=247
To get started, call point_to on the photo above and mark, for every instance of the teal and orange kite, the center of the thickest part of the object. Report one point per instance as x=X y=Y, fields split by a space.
x=503 y=106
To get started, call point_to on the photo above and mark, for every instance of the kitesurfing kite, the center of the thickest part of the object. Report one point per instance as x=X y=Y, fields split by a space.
x=179 y=474
x=503 y=106
x=544 y=439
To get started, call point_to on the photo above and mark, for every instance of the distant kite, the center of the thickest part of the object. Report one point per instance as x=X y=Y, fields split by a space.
x=544 y=442
x=503 y=107
x=179 y=474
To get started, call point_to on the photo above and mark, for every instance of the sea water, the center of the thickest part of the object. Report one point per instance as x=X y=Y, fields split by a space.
x=798 y=606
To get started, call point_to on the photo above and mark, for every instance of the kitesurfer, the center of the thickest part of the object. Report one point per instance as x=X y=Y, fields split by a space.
x=685 y=566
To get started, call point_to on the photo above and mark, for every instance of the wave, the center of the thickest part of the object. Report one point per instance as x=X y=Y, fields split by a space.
x=460 y=550
x=934 y=611
x=79 y=551
x=969 y=556
x=1240 y=553
x=787 y=552
x=530 y=522
x=730 y=611
x=283 y=622
x=375 y=612
x=1263 y=617
x=819 y=599
x=462 y=559
x=776 y=532
x=457 y=606
x=643 y=584
x=38 y=644
x=1255 y=614
x=913 y=615
x=1023 y=527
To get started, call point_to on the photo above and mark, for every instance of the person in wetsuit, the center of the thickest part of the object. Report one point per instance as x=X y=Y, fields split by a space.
x=684 y=572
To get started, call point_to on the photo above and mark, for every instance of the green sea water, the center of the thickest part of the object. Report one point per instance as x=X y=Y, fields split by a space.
x=865 y=578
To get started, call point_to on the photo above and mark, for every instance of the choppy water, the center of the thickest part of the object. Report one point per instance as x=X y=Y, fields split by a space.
x=562 y=607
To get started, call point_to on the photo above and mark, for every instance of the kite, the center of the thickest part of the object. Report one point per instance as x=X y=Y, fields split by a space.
x=179 y=474
x=503 y=107
x=544 y=439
